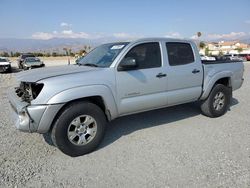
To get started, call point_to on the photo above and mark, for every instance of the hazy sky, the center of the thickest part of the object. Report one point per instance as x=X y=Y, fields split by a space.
x=46 y=19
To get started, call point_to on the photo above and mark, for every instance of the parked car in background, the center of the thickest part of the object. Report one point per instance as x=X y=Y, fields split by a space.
x=234 y=57
x=5 y=65
x=246 y=57
x=22 y=58
x=31 y=63
x=207 y=58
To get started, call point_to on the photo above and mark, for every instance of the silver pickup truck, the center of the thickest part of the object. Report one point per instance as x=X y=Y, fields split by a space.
x=73 y=103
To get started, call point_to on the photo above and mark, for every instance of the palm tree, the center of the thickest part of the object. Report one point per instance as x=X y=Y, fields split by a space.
x=68 y=52
x=202 y=45
x=198 y=35
x=239 y=50
x=89 y=48
x=85 y=47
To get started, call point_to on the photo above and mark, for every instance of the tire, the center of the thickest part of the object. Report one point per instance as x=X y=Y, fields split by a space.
x=20 y=65
x=10 y=70
x=71 y=139
x=217 y=102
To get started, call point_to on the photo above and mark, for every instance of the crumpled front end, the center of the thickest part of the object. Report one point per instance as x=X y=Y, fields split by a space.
x=31 y=118
x=26 y=117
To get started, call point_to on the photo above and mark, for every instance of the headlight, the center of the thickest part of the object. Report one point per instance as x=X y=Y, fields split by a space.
x=23 y=117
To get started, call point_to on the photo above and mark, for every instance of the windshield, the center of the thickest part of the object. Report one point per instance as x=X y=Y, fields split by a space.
x=27 y=55
x=103 y=56
x=3 y=60
x=32 y=60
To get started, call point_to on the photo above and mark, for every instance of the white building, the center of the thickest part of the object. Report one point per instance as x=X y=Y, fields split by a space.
x=227 y=47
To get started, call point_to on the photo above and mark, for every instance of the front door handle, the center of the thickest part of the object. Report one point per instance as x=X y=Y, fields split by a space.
x=160 y=75
x=195 y=71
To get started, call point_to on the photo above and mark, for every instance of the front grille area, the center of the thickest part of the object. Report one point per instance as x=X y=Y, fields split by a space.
x=4 y=67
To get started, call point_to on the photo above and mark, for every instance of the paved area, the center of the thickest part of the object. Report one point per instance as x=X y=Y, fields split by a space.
x=172 y=147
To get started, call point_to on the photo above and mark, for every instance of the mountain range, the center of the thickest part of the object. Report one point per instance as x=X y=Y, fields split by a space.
x=57 y=44
x=51 y=45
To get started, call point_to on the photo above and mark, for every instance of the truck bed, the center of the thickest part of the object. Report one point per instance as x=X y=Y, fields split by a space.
x=214 y=69
x=219 y=61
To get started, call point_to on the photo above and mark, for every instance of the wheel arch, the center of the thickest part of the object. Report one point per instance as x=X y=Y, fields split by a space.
x=97 y=100
x=224 y=78
x=99 y=95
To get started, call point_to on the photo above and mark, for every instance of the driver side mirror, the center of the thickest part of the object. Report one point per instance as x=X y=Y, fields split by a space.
x=128 y=63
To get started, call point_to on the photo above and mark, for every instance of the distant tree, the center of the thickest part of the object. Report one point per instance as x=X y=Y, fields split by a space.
x=207 y=51
x=221 y=53
x=82 y=52
x=85 y=47
x=54 y=54
x=89 y=48
x=5 y=54
x=239 y=50
x=69 y=51
x=16 y=54
x=38 y=54
x=47 y=54
x=72 y=54
x=202 y=45
x=66 y=51
x=199 y=34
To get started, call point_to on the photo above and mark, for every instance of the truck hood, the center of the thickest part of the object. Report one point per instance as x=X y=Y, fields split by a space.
x=33 y=64
x=36 y=75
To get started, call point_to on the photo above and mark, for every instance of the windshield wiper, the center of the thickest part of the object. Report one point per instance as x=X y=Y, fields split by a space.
x=90 y=64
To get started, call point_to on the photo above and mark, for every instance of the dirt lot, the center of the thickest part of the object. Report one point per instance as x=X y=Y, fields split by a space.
x=173 y=147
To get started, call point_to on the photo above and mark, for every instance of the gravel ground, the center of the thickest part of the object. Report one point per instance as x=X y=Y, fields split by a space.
x=172 y=147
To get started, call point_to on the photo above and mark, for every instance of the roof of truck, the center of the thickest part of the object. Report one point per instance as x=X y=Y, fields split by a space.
x=162 y=39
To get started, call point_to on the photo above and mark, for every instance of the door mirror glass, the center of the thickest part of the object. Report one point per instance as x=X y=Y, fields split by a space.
x=127 y=63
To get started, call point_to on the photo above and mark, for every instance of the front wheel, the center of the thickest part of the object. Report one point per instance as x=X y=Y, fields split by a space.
x=79 y=129
x=217 y=102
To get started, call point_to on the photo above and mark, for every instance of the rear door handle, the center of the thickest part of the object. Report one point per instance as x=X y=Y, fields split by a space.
x=160 y=75
x=195 y=71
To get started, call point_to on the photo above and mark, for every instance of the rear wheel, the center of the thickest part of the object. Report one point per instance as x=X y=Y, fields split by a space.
x=217 y=102
x=79 y=129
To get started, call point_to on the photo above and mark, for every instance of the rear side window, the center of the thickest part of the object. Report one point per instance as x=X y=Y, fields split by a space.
x=179 y=53
x=147 y=55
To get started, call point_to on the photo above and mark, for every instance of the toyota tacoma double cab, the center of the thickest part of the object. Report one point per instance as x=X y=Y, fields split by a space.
x=73 y=103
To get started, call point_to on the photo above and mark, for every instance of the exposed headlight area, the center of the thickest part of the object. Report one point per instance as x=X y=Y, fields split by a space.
x=23 y=118
x=28 y=91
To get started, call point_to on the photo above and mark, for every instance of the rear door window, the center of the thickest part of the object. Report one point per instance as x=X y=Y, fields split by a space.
x=179 y=53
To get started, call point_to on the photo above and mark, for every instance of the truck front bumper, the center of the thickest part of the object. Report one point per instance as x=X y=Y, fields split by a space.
x=5 y=68
x=32 y=118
